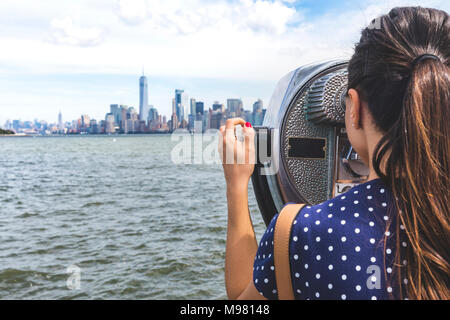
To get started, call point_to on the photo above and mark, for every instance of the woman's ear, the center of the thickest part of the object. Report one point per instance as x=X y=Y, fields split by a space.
x=355 y=108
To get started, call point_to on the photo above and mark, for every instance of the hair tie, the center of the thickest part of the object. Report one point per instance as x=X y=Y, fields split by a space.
x=424 y=57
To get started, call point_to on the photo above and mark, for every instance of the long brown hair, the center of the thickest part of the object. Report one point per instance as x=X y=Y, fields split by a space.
x=408 y=95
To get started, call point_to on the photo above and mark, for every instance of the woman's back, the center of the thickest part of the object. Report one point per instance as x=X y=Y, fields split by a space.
x=338 y=249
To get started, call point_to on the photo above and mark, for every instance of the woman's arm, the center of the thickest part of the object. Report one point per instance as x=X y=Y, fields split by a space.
x=241 y=242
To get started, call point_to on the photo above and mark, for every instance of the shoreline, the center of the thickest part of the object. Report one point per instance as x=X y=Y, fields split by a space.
x=78 y=135
x=15 y=135
x=27 y=135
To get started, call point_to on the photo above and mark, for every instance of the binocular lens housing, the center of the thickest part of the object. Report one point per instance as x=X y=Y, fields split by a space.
x=304 y=155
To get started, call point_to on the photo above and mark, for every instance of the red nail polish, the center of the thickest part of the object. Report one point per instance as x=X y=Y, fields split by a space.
x=248 y=124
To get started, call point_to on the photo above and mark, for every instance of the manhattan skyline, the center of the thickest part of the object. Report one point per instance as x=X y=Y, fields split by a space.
x=127 y=119
x=183 y=106
x=129 y=84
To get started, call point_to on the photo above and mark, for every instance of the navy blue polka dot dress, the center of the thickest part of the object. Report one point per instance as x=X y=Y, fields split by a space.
x=340 y=249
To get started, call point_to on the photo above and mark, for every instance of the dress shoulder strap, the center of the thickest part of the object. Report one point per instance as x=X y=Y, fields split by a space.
x=282 y=236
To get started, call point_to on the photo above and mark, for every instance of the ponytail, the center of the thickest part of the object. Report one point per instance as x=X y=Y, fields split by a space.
x=418 y=173
x=408 y=94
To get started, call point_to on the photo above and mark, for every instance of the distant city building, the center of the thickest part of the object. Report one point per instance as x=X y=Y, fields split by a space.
x=205 y=121
x=93 y=127
x=192 y=104
x=115 y=111
x=258 y=105
x=60 y=123
x=234 y=107
x=217 y=119
x=191 y=122
x=174 y=106
x=199 y=107
x=143 y=98
x=85 y=121
x=180 y=102
x=173 y=122
x=218 y=107
x=133 y=123
x=123 y=117
x=110 y=123
x=258 y=115
x=248 y=116
x=191 y=116
x=16 y=125
x=102 y=126
x=152 y=114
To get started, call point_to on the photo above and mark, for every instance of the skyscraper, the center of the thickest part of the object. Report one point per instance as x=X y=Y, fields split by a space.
x=180 y=104
x=143 y=98
x=152 y=114
x=192 y=111
x=123 y=118
x=60 y=123
x=115 y=111
x=217 y=106
x=109 y=123
x=85 y=120
x=199 y=107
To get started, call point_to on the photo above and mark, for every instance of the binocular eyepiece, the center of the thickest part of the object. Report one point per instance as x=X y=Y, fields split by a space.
x=304 y=153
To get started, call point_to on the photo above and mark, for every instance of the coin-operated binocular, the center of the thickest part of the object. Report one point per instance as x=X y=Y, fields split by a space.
x=304 y=155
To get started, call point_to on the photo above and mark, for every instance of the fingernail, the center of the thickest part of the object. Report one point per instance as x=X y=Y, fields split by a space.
x=248 y=124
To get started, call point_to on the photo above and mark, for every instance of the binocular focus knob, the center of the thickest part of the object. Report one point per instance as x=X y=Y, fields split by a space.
x=325 y=99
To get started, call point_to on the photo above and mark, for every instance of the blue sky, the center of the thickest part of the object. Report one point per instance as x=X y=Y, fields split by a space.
x=81 y=56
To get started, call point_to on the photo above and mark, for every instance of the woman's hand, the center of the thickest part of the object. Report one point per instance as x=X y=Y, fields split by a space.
x=238 y=157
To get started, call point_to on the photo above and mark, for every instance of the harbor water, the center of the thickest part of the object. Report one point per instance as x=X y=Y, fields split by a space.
x=110 y=217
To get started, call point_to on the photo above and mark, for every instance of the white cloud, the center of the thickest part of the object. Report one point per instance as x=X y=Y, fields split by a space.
x=265 y=16
x=65 y=32
x=243 y=39
x=189 y=16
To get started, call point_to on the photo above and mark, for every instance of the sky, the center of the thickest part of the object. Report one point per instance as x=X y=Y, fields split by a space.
x=78 y=57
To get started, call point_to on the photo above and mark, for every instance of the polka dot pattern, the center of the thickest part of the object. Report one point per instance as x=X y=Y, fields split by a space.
x=337 y=248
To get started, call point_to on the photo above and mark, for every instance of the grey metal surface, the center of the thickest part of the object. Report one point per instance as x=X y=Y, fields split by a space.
x=309 y=177
x=325 y=100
